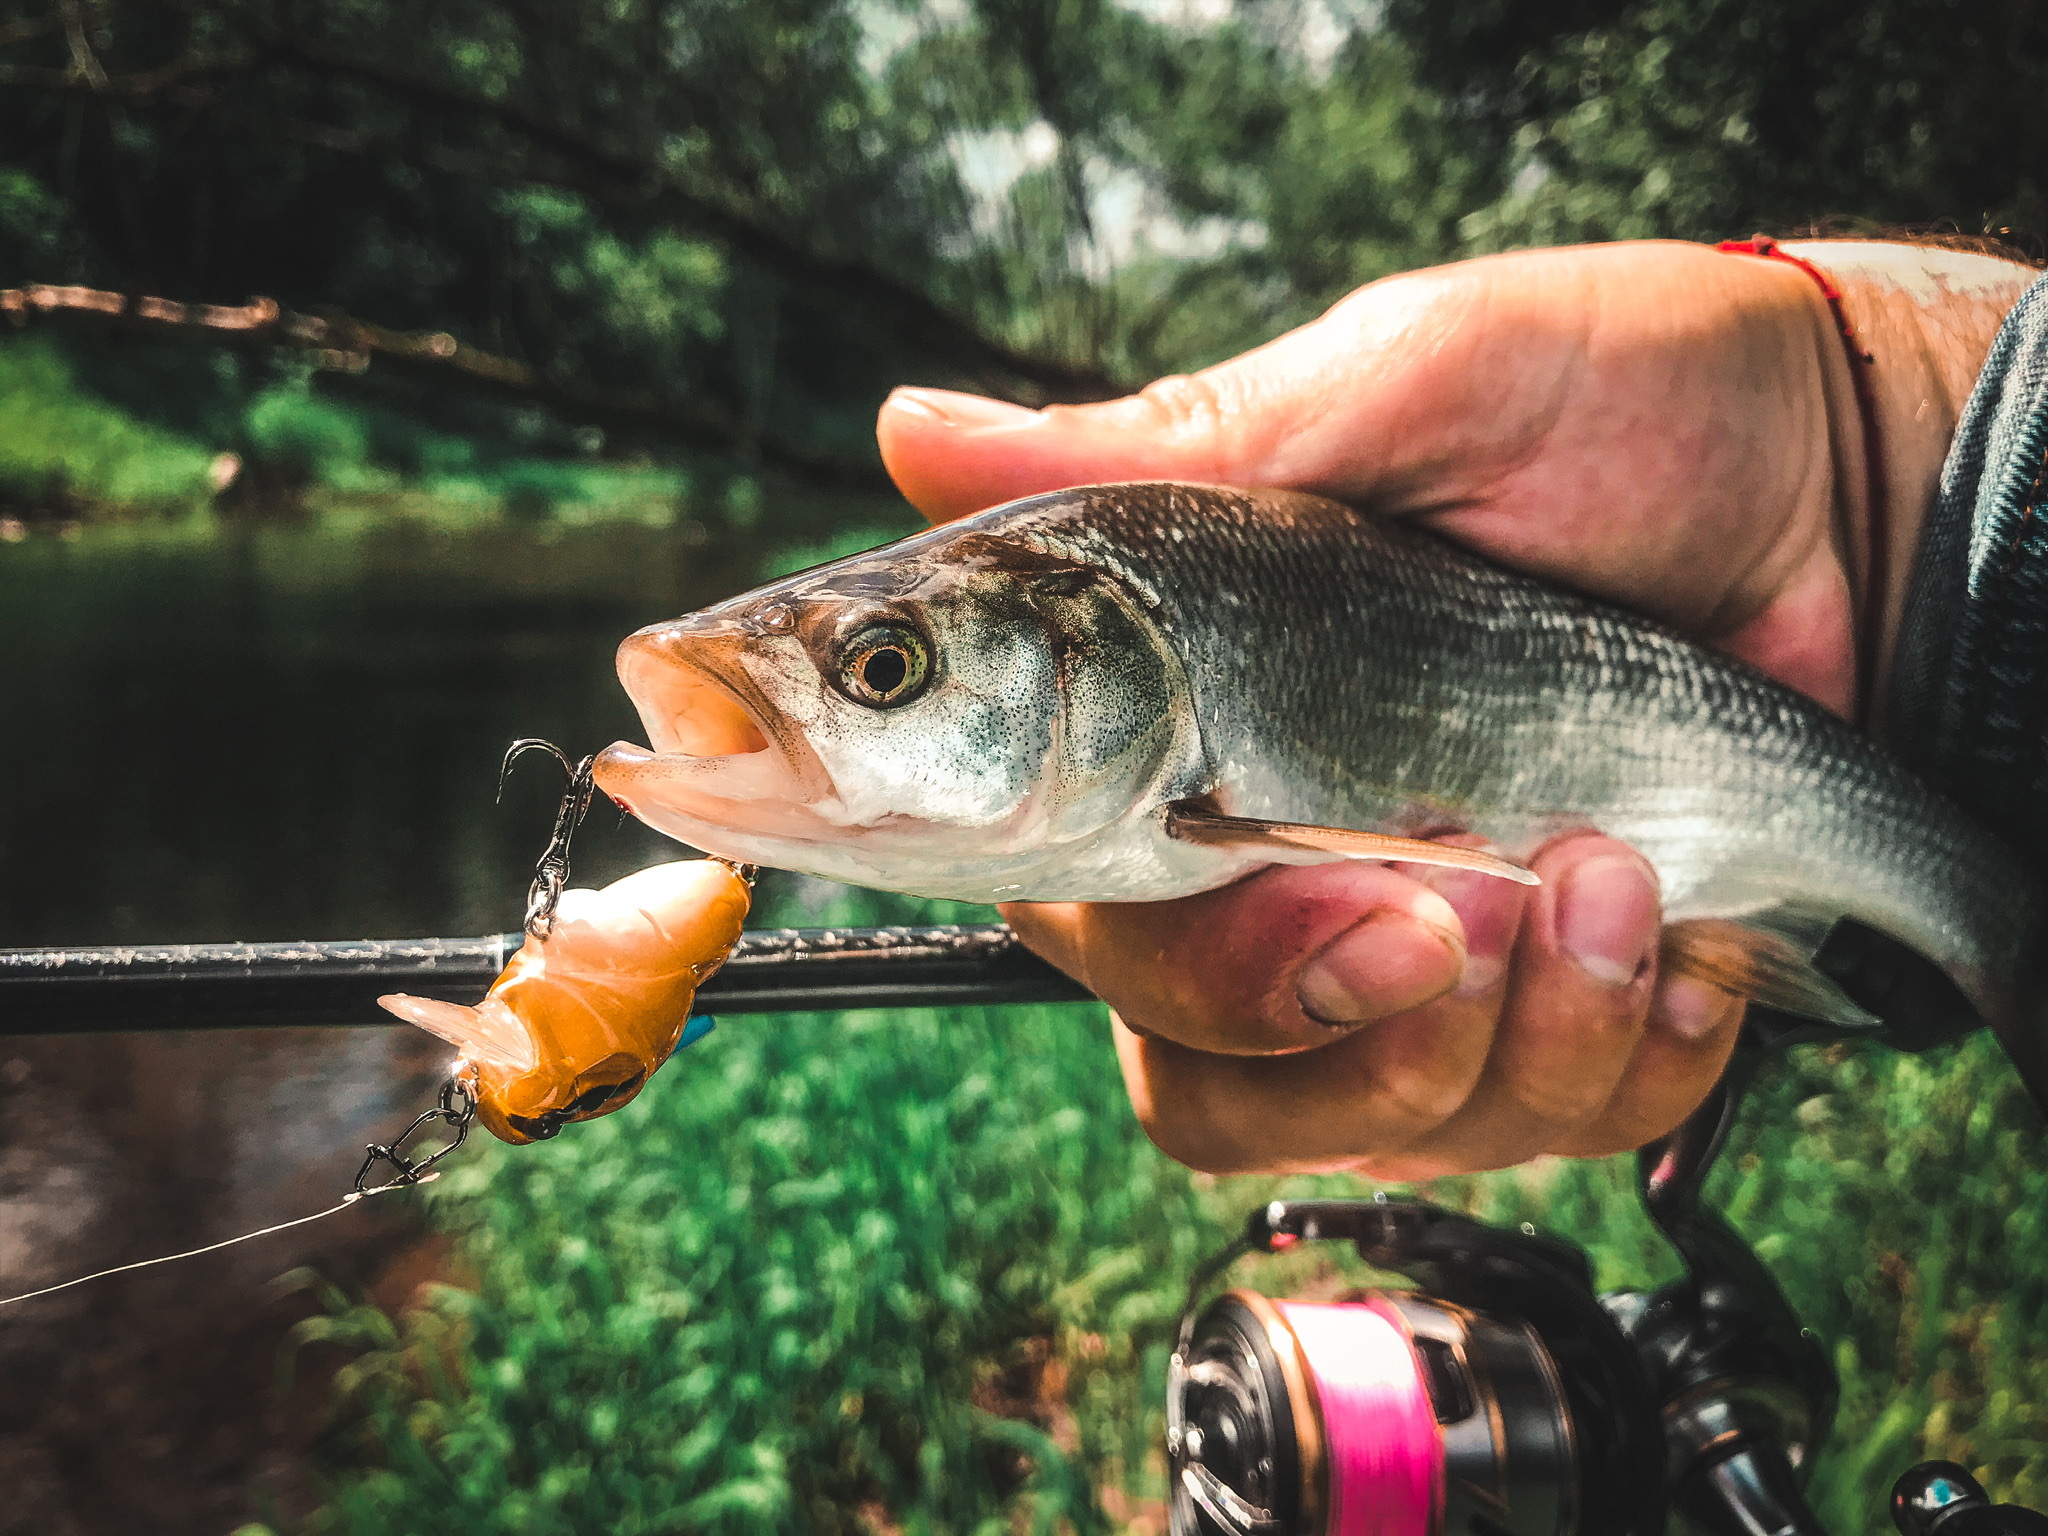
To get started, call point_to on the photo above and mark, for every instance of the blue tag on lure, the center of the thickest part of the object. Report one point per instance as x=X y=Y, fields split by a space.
x=700 y=1025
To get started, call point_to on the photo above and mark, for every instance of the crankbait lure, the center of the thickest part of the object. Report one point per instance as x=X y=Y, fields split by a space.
x=599 y=995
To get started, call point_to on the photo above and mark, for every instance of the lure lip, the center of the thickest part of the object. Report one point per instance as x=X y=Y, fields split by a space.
x=610 y=1085
x=590 y=1101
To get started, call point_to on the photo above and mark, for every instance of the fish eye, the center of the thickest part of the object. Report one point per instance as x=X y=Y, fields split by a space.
x=883 y=665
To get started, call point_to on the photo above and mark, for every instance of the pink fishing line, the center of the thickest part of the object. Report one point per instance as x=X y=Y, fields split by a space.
x=1385 y=1452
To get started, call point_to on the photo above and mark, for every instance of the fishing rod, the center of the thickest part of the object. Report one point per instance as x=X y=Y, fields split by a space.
x=154 y=988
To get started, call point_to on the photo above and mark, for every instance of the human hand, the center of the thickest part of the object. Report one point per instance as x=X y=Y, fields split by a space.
x=1659 y=424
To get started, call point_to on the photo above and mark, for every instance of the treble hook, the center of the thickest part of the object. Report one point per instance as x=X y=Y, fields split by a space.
x=552 y=872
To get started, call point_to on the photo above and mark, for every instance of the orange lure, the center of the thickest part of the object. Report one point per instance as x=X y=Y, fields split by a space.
x=577 y=1023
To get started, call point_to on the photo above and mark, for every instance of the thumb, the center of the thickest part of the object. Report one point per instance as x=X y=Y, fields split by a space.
x=1305 y=412
x=952 y=454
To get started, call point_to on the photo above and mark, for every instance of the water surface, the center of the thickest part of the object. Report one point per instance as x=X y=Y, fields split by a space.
x=260 y=733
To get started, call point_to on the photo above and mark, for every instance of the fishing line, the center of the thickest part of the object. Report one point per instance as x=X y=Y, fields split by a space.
x=456 y=1105
x=456 y=1108
x=192 y=1253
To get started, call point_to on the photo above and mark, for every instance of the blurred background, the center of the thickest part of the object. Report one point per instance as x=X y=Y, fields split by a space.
x=581 y=311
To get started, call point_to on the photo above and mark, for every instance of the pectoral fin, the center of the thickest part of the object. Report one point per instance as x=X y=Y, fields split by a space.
x=490 y=1033
x=1293 y=842
x=1760 y=966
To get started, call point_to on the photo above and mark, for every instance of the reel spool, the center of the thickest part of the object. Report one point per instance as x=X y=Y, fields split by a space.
x=1401 y=1413
x=1393 y=1412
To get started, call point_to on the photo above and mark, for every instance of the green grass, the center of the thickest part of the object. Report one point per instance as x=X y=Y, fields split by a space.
x=57 y=437
x=66 y=450
x=917 y=1271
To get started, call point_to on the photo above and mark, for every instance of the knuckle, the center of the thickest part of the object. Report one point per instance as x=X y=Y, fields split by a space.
x=1187 y=405
x=1416 y=1100
x=1399 y=1093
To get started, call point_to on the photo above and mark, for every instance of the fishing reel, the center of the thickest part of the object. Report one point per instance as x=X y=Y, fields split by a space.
x=1506 y=1397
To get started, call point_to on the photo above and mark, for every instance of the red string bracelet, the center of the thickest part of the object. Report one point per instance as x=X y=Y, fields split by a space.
x=1870 y=622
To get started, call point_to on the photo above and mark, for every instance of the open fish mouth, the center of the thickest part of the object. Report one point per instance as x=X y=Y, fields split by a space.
x=721 y=757
x=686 y=701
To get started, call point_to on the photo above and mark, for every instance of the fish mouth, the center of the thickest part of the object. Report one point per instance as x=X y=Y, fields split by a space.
x=722 y=756
x=686 y=701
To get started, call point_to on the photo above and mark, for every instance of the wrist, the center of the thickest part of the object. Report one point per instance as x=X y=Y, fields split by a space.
x=1926 y=317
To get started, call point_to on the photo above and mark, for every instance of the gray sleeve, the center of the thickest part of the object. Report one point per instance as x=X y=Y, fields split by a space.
x=1968 y=707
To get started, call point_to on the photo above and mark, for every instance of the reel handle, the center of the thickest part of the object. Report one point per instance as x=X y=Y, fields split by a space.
x=1939 y=1498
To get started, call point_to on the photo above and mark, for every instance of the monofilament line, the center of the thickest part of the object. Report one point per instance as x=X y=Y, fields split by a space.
x=193 y=1253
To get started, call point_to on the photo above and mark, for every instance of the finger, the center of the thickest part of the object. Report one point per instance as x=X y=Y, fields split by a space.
x=1582 y=977
x=1691 y=1033
x=1372 y=1090
x=1379 y=1087
x=1286 y=960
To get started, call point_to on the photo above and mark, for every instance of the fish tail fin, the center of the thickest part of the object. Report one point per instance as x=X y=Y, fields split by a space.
x=489 y=1033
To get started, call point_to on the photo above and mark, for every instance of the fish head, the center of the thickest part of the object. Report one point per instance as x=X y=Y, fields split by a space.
x=937 y=716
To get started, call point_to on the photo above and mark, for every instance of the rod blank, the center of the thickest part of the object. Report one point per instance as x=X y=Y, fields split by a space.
x=337 y=982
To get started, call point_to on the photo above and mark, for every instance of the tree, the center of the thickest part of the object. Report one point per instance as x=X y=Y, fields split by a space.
x=1716 y=119
x=735 y=223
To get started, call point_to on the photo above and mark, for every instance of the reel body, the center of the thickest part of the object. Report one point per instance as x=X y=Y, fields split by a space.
x=1504 y=1397
x=1502 y=1401
x=1391 y=1413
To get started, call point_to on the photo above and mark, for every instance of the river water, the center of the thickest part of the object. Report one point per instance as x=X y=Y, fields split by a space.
x=260 y=733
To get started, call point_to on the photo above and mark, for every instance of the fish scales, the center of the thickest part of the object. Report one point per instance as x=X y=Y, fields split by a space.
x=1376 y=675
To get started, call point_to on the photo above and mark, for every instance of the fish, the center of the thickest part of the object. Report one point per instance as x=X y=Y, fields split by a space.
x=580 y=1019
x=1139 y=692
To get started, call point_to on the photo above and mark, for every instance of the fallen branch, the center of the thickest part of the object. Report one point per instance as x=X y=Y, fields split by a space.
x=340 y=341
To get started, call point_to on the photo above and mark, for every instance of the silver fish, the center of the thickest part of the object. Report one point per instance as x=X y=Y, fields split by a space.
x=1135 y=692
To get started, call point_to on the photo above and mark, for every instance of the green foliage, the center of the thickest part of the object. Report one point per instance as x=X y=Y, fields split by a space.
x=1703 y=121
x=1901 y=1201
x=60 y=446
x=66 y=451
x=790 y=1288
x=784 y=208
